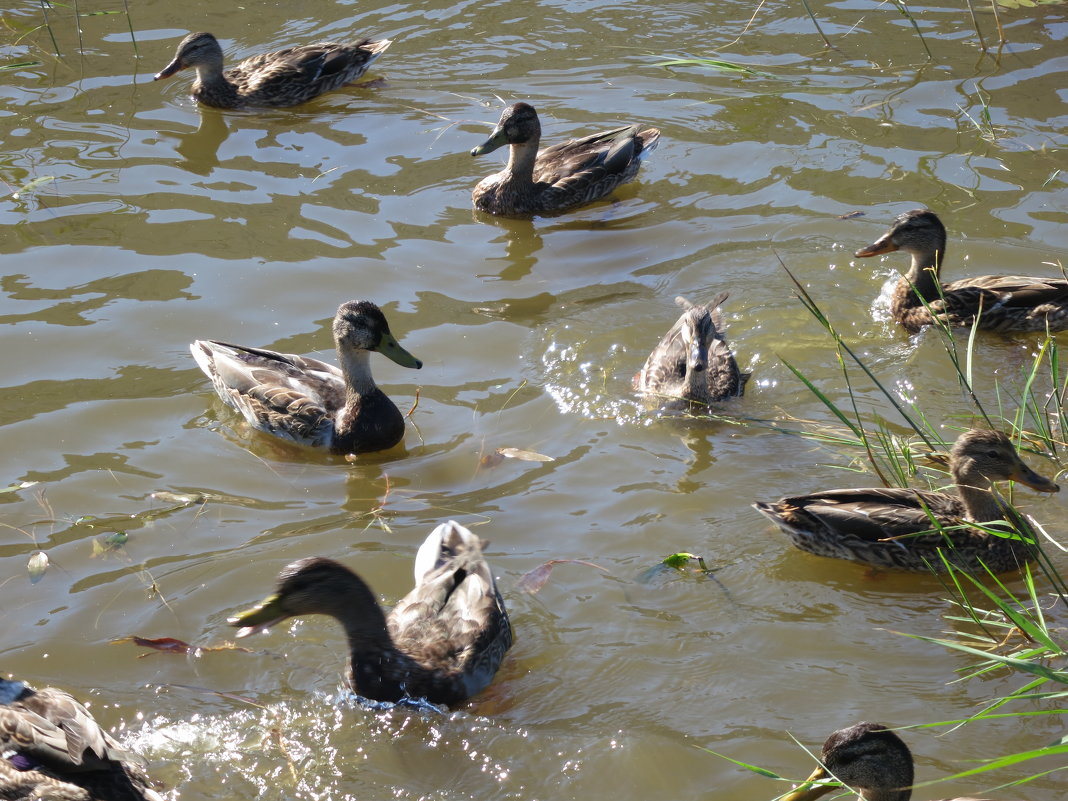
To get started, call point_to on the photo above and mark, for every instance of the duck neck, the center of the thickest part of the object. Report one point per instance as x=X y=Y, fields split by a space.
x=356 y=368
x=981 y=505
x=521 y=158
x=212 y=83
x=921 y=282
x=886 y=794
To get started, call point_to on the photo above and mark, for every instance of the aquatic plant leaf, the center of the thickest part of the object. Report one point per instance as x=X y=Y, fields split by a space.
x=19 y=65
x=17 y=487
x=525 y=456
x=31 y=185
x=37 y=566
x=534 y=580
x=168 y=644
x=165 y=496
x=680 y=560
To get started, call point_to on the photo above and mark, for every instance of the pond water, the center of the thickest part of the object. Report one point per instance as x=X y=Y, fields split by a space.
x=136 y=221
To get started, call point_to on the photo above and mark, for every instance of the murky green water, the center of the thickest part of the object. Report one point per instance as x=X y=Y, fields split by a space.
x=150 y=222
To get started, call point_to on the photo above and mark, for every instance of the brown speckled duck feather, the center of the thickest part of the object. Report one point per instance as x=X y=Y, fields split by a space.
x=283 y=78
x=993 y=302
x=693 y=365
x=892 y=527
x=53 y=748
x=559 y=177
x=443 y=641
x=310 y=402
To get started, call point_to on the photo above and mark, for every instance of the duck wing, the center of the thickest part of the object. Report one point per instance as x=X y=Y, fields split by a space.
x=289 y=396
x=592 y=166
x=307 y=70
x=50 y=727
x=869 y=515
x=454 y=621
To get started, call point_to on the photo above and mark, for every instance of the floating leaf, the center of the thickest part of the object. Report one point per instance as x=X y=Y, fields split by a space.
x=31 y=185
x=534 y=580
x=850 y=215
x=37 y=566
x=525 y=456
x=17 y=487
x=180 y=499
x=491 y=459
x=681 y=560
x=169 y=645
x=112 y=542
x=172 y=645
x=20 y=65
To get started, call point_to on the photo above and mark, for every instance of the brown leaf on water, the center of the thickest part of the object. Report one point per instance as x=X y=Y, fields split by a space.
x=534 y=580
x=171 y=645
x=491 y=459
x=37 y=566
x=849 y=215
x=525 y=456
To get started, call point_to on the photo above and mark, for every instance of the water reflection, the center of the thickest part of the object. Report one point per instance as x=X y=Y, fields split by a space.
x=199 y=150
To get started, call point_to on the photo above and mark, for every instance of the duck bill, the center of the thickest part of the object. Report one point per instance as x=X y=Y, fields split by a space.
x=496 y=140
x=809 y=791
x=877 y=248
x=169 y=70
x=391 y=349
x=260 y=618
x=1025 y=475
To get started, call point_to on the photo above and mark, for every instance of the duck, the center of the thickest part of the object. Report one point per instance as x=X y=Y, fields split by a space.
x=283 y=78
x=442 y=643
x=1003 y=303
x=893 y=527
x=693 y=366
x=53 y=748
x=310 y=402
x=559 y=177
x=869 y=759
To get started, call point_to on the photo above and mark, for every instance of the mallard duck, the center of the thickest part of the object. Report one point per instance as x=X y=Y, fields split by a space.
x=442 y=642
x=692 y=365
x=993 y=302
x=52 y=748
x=308 y=401
x=559 y=177
x=869 y=759
x=284 y=78
x=874 y=525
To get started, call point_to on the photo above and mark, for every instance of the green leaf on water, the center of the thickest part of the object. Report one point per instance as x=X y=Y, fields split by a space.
x=681 y=560
x=16 y=487
x=714 y=63
x=20 y=65
x=37 y=566
x=29 y=186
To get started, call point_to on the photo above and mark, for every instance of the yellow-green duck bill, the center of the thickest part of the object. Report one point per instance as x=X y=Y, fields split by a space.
x=309 y=402
x=283 y=78
x=443 y=642
x=893 y=527
x=559 y=177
